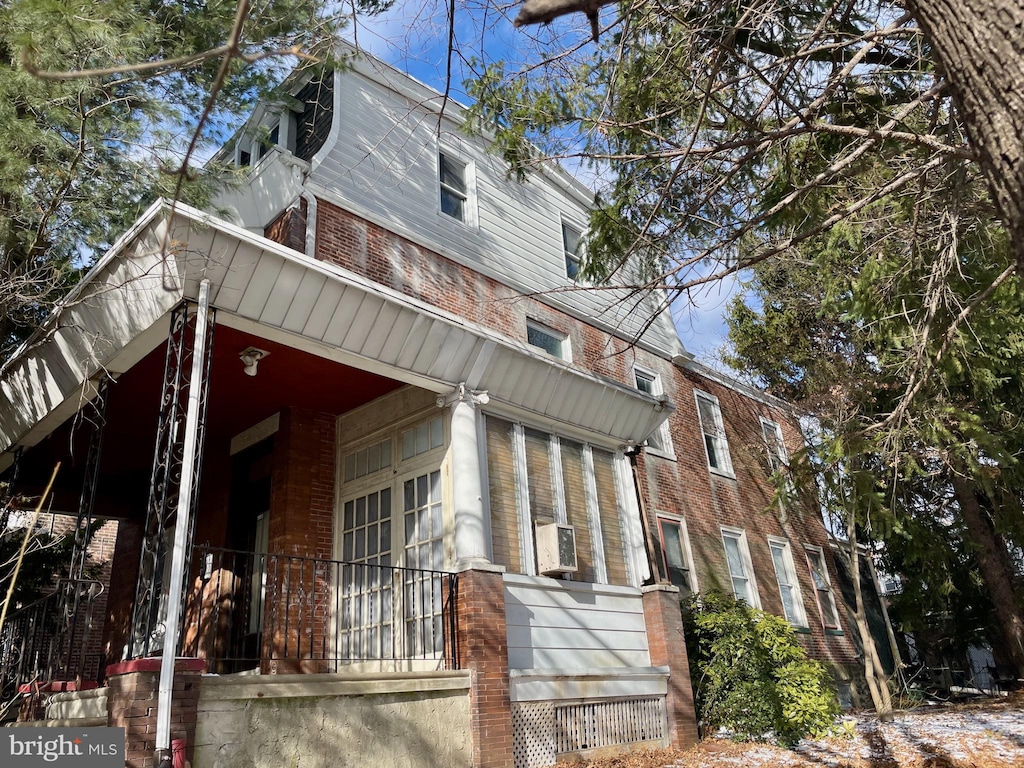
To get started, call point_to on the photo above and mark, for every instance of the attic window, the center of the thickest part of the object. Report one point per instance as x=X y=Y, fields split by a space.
x=571 y=246
x=454 y=195
x=553 y=342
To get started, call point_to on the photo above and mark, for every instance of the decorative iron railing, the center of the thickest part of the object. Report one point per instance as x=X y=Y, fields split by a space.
x=50 y=639
x=290 y=614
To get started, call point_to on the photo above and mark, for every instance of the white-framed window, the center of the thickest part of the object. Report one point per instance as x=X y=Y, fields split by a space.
x=391 y=514
x=822 y=586
x=775 y=445
x=741 y=570
x=453 y=176
x=710 y=415
x=785 y=576
x=676 y=553
x=537 y=478
x=571 y=242
x=646 y=381
x=555 y=343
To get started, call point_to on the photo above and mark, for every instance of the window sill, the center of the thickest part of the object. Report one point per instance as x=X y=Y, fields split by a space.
x=801 y=630
x=722 y=473
x=668 y=455
x=835 y=632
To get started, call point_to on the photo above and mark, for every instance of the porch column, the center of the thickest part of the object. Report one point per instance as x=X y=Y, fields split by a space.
x=471 y=529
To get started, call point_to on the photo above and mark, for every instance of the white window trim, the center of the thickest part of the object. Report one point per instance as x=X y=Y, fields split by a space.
x=470 y=206
x=748 y=564
x=727 y=455
x=777 y=428
x=687 y=551
x=668 y=452
x=800 y=620
x=831 y=589
x=554 y=332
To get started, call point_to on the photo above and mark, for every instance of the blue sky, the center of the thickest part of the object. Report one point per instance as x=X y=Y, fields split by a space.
x=413 y=36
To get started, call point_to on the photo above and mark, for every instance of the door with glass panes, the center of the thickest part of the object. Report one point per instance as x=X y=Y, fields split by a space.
x=392 y=546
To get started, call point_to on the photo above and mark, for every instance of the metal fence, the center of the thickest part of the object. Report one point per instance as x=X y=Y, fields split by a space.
x=249 y=610
x=50 y=639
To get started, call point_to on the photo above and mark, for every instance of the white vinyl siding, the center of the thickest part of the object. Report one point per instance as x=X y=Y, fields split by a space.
x=741 y=571
x=573 y=626
x=785 y=576
x=822 y=586
x=384 y=166
x=709 y=413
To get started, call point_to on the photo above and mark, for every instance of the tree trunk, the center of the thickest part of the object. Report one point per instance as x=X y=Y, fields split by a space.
x=980 y=46
x=878 y=686
x=996 y=570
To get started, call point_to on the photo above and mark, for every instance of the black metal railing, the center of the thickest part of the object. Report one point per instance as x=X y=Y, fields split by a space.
x=290 y=613
x=52 y=639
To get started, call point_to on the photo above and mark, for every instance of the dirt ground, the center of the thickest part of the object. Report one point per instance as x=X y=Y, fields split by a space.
x=985 y=734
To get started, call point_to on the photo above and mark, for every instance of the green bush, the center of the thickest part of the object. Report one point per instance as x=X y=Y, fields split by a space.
x=750 y=675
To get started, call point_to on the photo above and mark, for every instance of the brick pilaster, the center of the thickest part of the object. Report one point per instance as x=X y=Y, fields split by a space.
x=132 y=689
x=483 y=649
x=668 y=649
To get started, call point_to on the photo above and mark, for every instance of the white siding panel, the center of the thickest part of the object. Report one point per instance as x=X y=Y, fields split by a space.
x=232 y=290
x=363 y=322
x=257 y=292
x=397 y=336
x=283 y=293
x=326 y=306
x=414 y=342
x=345 y=313
x=583 y=658
x=306 y=297
x=573 y=626
x=218 y=265
x=382 y=326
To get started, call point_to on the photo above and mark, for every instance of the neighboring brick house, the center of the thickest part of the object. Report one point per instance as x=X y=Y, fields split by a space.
x=407 y=413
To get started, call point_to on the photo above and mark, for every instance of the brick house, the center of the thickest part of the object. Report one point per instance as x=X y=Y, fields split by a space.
x=408 y=497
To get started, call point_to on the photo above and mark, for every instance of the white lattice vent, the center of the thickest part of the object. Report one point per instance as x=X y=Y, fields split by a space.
x=533 y=734
x=589 y=725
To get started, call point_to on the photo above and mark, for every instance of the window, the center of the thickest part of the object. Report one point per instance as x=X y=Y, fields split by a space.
x=651 y=384
x=823 y=586
x=737 y=557
x=675 y=549
x=571 y=246
x=454 y=194
x=537 y=478
x=553 y=342
x=785 y=575
x=778 y=458
x=710 y=415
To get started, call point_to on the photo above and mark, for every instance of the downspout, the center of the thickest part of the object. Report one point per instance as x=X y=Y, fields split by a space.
x=654 y=563
x=181 y=528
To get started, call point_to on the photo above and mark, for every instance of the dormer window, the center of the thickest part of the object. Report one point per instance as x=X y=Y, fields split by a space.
x=454 y=194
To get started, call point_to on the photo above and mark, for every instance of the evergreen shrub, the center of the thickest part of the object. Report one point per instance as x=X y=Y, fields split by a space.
x=751 y=677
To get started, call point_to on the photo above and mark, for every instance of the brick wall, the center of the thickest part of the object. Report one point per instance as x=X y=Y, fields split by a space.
x=683 y=486
x=289 y=229
x=665 y=639
x=483 y=649
x=132 y=695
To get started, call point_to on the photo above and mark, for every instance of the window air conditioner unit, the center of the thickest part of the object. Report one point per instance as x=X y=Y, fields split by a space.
x=556 y=549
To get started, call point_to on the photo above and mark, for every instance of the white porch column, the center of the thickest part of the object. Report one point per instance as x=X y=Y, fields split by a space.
x=471 y=525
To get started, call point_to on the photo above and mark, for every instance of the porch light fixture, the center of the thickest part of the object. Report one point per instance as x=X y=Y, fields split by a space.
x=250 y=357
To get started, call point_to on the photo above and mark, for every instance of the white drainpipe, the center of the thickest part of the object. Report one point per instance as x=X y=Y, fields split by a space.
x=181 y=526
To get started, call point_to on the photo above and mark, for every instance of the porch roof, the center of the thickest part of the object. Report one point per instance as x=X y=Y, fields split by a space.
x=120 y=312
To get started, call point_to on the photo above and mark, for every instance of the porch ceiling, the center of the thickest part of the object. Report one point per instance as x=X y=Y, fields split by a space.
x=119 y=315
